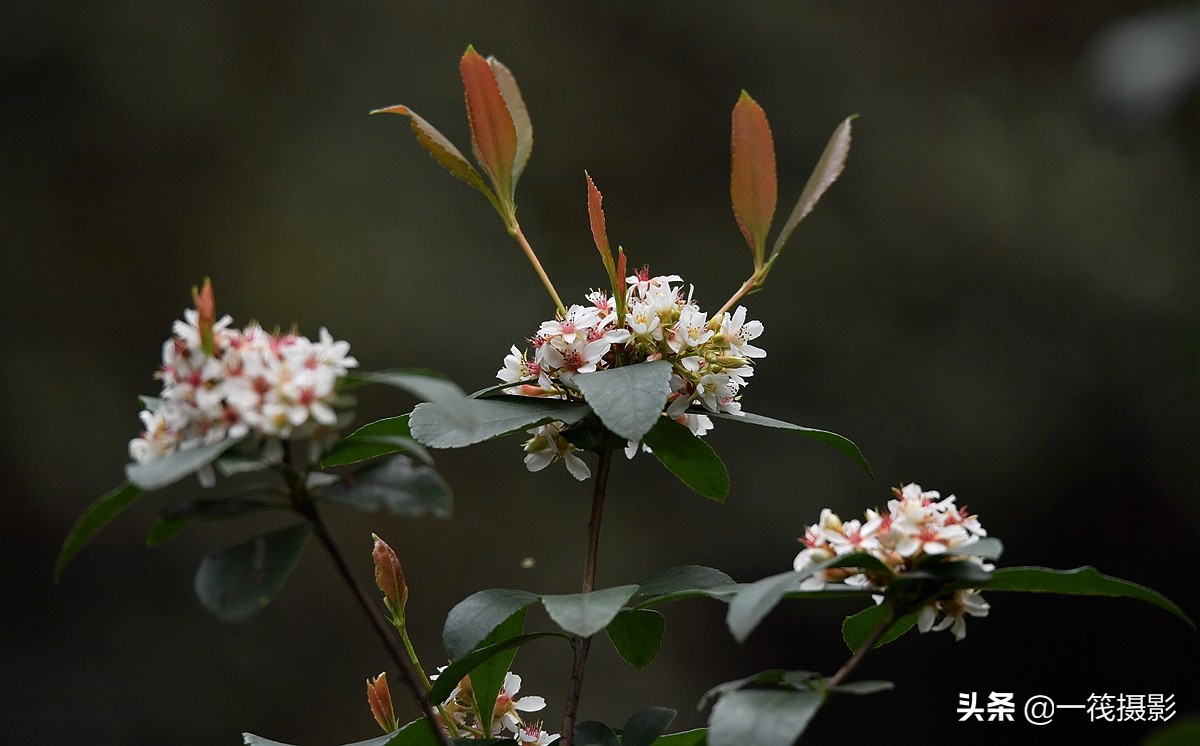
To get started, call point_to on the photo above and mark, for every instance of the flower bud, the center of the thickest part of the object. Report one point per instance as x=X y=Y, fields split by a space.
x=206 y=309
x=389 y=576
x=380 y=700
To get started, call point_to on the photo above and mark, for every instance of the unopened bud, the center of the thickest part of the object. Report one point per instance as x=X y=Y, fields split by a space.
x=389 y=576
x=206 y=309
x=730 y=361
x=380 y=700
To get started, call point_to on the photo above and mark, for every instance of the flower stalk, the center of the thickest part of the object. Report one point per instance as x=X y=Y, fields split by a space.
x=581 y=645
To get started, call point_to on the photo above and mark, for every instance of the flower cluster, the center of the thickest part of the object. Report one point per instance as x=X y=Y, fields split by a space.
x=918 y=524
x=219 y=382
x=711 y=358
x=460 y=707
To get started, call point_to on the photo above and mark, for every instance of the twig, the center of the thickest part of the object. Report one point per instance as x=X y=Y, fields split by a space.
x=859 y=654
x=407 y=672
x=581 y=645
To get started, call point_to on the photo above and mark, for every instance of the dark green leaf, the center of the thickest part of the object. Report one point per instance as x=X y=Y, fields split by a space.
x=629 y=400
x=93 y=519
x=585 y=614
x=688 y=457
x=644 y=726
x=1082 y=581
x=494 y=416
x=403 y=488
x=684 y=578
x=763 y=718
x=867 y=686
x=453 y=673
x=488 y=677
x=473 y=618
x=177 y=517
x=160 y=472
x=753 y=602
x=390 y=435
x=840 y=442
x=236 y=583
x=593 y=733
x=429 y=386
x=1179 y=733
x=772 y=676
x=685 y=738
x=857 y=628
x=637 y=635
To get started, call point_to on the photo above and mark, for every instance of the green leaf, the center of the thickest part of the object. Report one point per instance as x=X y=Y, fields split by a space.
x=764 y=718
x=473 y=618
x=753 y=602
x=753 y=187
x=390 y=435
x=684 y=738
x=684 y=578
x=866 y=686
x=628 y=400
x=828 y=168
x=593 y=733
x=637 y=635
x=442 y=150
x=688 y=457
x=857 y=628
x=403 y=488
x=520 y=115
x=488 y=677
x=427 y=385
x=494 y=417
x=585 y=614
x=92 y=520
x=1082 y=581
x=449 y=678
x=235 y=583
x=160 y=472
x=178 y=517
x=644 y=726
x=840 y=442
x=1179 y=733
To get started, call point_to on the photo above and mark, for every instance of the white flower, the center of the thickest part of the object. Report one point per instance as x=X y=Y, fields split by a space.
x=738 y=332
x=506 y=710
x=547 y=446
x=953 y=611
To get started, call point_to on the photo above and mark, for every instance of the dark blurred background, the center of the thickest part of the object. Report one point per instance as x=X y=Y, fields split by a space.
x=997 y=299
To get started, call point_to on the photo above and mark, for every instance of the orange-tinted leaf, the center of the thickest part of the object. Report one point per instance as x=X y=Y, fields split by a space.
x=828 y=168
x=492 y=132
x=520 y=115
x=752 y=184
x=596 y=218
x=442 y=150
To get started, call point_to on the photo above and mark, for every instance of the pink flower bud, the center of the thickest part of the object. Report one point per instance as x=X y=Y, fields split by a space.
x=380 y=700
x=206 y=308
x=389 y=576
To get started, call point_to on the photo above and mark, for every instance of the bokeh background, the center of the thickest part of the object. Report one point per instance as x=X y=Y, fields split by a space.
x=998 y=299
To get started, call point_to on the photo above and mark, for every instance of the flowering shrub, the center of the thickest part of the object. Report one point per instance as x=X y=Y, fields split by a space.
x=640 y=365
x=220 y=383
x=710 y=360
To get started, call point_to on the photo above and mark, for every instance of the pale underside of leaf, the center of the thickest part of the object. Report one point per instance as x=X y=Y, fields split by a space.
x=520 y=115
x=828 y=168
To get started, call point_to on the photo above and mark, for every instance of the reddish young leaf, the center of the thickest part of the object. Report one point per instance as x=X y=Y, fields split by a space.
x=752 y=184
x=442 y=150
x=596 y=218
x=828 y=168
x=492 y=131
x=520 y=115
